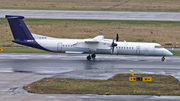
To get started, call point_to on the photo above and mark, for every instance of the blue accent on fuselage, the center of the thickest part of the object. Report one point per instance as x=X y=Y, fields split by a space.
x=30 y=43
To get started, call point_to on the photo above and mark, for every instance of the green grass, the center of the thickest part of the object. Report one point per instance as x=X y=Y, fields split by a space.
x=117 y=85
x=22 y=50
x=175 y=52
x=113 y=22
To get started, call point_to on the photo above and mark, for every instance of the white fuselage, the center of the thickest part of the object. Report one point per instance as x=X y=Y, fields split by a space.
x=122 y=48
x=93 y=46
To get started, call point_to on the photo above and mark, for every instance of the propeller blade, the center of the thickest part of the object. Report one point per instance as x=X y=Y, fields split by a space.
x=112 y=42
x=117 y=37
x=113 y=45
x=113 y=50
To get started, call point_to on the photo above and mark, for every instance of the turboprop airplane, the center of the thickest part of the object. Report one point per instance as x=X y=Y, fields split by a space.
x=97 y=45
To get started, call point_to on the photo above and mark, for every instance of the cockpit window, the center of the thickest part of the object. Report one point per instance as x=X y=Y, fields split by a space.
x=158 y=46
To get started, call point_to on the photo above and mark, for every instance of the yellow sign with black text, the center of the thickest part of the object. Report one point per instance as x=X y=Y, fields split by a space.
x=1 y=49
x=132 y=78
x=147 y=78
x=140 y=78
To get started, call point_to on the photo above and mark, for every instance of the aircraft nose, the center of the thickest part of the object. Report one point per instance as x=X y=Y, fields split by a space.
x=168 y=53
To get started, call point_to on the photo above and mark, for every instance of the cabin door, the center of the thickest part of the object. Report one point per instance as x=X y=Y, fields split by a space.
x=59 y=47
x=138 y=50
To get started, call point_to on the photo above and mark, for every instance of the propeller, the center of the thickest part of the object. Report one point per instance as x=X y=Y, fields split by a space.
x=113 y=45
x=117 y=37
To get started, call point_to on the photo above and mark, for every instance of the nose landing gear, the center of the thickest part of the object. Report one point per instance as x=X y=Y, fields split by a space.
x=92 y=55
x=163 y=58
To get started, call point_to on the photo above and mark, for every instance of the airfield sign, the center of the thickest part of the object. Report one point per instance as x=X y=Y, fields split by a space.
x=1 y=49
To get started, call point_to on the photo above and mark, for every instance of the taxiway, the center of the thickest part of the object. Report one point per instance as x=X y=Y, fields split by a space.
x=94 y=15
x=19 y=69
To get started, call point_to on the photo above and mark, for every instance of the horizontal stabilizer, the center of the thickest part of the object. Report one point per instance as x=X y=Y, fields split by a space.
x=14 y=17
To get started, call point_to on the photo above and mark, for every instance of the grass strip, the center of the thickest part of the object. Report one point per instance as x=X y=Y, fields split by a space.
x=117 y=85
x=161 y=32
x=22 y=50
x=175 y=52
x=94 y=5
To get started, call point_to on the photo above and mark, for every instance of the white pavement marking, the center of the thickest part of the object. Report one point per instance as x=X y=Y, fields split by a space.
x=99 y=15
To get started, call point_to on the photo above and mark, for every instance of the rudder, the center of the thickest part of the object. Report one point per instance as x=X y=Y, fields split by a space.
x=19 y=28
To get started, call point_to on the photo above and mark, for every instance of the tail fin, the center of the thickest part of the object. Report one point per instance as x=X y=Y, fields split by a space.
x=19 y=28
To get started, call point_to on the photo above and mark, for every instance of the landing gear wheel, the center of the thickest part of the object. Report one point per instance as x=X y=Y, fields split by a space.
x=88 y=57
x=93 y=56
x=163 y=58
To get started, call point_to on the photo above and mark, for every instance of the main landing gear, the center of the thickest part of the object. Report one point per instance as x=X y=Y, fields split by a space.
x=163 y=58
x=91 y=56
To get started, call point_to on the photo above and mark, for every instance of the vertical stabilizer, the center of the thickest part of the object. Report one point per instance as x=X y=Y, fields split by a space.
x=21 y=33
x=19 y=28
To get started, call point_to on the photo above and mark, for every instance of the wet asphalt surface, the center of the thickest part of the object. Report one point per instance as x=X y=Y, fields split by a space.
x=76 y=66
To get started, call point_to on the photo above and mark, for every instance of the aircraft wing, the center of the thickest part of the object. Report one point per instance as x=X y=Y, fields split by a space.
x=89 y=42
x=93 y=44
x=97 y=39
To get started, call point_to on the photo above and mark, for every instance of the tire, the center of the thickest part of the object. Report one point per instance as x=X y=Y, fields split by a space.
x=163 y=59
x=93 y=56
x=88 y=57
